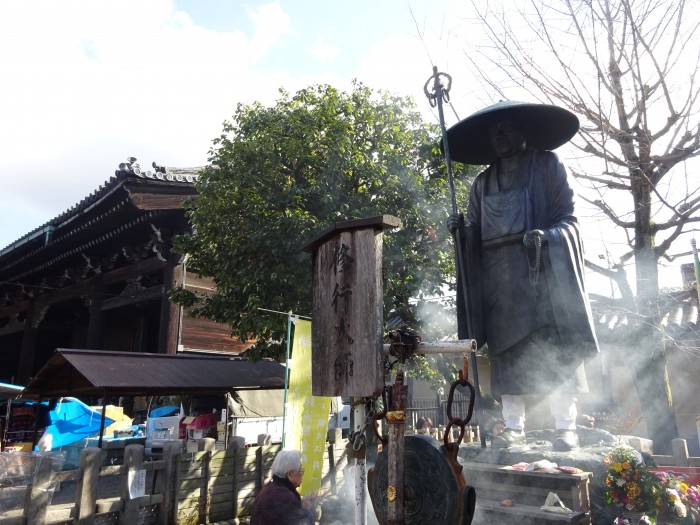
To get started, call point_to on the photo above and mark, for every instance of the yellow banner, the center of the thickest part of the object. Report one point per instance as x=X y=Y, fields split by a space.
x=307 y=416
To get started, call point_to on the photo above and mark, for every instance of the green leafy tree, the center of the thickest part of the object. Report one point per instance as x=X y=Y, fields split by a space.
x=278 y=175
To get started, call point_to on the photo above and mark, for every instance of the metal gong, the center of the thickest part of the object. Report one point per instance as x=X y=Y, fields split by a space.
x=433 y=493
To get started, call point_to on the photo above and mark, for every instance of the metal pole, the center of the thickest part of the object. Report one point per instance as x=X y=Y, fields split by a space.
x=102 y=418
x=696 y=264
x=290 y=318
x=396 y=418
x=462 y=346
x=358 y=418
x=286 y=377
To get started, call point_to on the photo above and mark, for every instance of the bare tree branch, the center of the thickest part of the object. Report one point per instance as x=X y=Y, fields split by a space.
x=618 y=275
x=601 y=205
x=605 y=182
x=621 y=66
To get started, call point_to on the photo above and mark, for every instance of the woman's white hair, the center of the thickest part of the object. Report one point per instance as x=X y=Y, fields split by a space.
x=286 y=459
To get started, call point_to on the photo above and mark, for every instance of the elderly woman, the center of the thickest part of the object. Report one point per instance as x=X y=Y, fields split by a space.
x=279 y=502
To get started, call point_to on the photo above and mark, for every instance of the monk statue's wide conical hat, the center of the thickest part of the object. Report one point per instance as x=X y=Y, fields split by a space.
x=546 y=127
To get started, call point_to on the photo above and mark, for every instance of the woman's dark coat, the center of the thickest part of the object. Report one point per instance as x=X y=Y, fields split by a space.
x=278 y=503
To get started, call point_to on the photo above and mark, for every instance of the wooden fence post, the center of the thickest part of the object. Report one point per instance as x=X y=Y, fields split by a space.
x=133 y=462
x=206 y=445
x=171 y=456
x=259 y=474
x=86 y=489
x=37 y=499
x=177 y=484
x=331 y=468
x=237 y=453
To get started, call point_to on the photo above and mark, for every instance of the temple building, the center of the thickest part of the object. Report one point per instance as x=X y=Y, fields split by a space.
x=98 y=275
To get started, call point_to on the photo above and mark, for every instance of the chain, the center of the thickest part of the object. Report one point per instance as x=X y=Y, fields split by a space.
x=534 y=269
x=456 y=421
x=357 y=437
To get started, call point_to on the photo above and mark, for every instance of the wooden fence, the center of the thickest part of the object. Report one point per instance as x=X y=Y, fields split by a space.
x=33 y=499
x=182 y=488
x=213 y=486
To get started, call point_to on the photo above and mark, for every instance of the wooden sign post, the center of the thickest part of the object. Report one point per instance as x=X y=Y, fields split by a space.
x=348 y=325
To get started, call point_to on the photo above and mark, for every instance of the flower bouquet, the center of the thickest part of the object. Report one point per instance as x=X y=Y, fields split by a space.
x=631 y=486
x=643 y=496
x=677 y=502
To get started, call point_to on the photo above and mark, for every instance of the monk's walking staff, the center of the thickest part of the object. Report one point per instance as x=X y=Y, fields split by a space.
x=441 y=93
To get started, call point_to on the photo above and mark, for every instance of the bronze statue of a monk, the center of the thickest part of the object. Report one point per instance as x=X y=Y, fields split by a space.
x=524 y=262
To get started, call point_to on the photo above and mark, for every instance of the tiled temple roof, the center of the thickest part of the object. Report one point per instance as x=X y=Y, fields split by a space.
x=129 y=170
x=617 y=322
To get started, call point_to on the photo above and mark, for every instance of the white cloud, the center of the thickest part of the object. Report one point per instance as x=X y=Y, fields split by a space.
x=88 y=83
x=271 y=24
x=323 y=51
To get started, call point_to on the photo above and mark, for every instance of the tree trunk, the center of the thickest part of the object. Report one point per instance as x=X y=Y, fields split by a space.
x=653 y=388
x=649 y=362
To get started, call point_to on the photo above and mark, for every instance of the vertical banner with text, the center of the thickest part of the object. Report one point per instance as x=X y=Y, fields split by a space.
x=307 y=416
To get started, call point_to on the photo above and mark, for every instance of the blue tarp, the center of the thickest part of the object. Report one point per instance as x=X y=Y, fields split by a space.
x=73 y=420
x=165 y=411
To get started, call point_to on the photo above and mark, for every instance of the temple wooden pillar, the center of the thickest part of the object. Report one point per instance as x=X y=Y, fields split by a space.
x=169 y=328
x=96 y=335
x=28 y=350
x=141 y=336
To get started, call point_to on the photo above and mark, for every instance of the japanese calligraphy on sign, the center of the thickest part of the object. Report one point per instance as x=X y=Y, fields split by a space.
x=347 y=312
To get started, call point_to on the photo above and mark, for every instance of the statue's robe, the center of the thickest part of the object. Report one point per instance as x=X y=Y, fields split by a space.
x=537 y=323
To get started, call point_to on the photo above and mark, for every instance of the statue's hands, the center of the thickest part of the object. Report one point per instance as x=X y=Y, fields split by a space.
x=454 y=222
x=530 y=236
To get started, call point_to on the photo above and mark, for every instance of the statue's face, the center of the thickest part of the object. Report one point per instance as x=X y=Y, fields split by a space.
x=507 y=138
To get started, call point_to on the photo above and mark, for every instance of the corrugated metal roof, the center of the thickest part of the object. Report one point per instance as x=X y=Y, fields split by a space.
x=96 y=372
x=9 y=391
